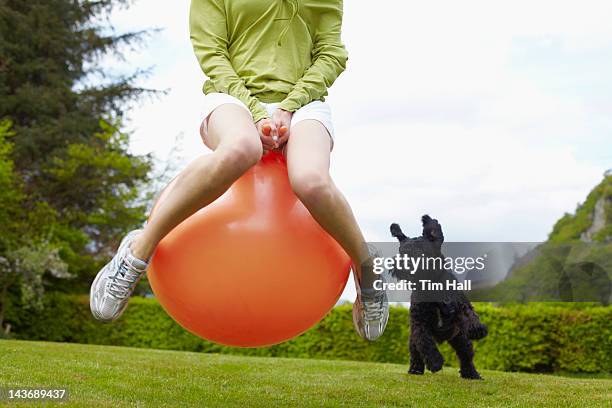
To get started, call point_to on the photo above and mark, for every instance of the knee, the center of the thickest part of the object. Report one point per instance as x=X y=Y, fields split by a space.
x=312 y=187
x=241 y=155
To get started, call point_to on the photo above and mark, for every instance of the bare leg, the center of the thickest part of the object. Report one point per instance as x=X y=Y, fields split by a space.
x=237 y=147
x=308 y=154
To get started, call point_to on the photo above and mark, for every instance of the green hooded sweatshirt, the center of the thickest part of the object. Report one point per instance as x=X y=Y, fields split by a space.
x=286 y=51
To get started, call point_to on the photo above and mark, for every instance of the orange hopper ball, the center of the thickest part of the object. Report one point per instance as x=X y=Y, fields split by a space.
x=251 y=269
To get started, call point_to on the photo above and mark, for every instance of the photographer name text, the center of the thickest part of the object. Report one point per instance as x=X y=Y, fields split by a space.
x=424 y=285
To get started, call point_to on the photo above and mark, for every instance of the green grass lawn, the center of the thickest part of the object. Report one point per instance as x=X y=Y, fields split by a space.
x=115 y=376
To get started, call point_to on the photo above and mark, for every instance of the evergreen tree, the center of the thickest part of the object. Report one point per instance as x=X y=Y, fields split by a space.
x=68 y=150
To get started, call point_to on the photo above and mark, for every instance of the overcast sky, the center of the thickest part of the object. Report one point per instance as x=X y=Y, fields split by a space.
x=494 y=117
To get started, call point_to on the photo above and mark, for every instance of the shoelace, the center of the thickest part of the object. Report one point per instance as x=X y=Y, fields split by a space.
x=121 y=284
x=375 y=309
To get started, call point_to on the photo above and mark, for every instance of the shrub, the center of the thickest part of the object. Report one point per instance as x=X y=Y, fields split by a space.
x=534 y=337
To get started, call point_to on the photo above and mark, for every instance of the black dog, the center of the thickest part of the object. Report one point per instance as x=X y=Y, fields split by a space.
x=443 y=316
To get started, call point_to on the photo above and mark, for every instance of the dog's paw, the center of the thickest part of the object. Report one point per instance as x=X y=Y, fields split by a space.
x=416 y=371
x=435 y=364
x=471 y=375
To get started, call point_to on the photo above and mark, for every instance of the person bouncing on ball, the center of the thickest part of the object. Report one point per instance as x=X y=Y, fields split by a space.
x=269 y=64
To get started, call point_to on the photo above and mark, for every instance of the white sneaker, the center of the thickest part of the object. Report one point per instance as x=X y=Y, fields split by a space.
x=371 y=307
x=115 y=283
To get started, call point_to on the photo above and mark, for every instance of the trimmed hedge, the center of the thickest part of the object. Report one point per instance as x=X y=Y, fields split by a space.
x=534 y=337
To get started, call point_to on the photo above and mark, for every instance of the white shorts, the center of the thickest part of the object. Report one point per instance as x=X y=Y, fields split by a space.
x=316 y=110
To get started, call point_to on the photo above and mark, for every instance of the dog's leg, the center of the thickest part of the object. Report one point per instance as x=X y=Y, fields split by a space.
x=423 y=316
x=465 y=352
x=417 y=366
x=426 y=345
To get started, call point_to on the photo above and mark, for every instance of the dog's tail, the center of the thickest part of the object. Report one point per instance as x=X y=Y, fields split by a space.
x=477 y=332
x=475 y=329
x=396 y=232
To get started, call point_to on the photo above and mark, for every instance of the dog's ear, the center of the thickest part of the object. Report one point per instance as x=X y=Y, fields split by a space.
x=426 y=219
x=432 y=230
x=396 y=232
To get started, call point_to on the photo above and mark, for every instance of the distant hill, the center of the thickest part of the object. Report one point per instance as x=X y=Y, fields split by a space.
x=574 y=264
x=592 y=221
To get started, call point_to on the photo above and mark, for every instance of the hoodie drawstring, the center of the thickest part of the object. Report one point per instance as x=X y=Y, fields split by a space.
x=294 y=11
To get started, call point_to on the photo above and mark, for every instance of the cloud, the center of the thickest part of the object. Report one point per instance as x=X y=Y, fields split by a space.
x=492 y=116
